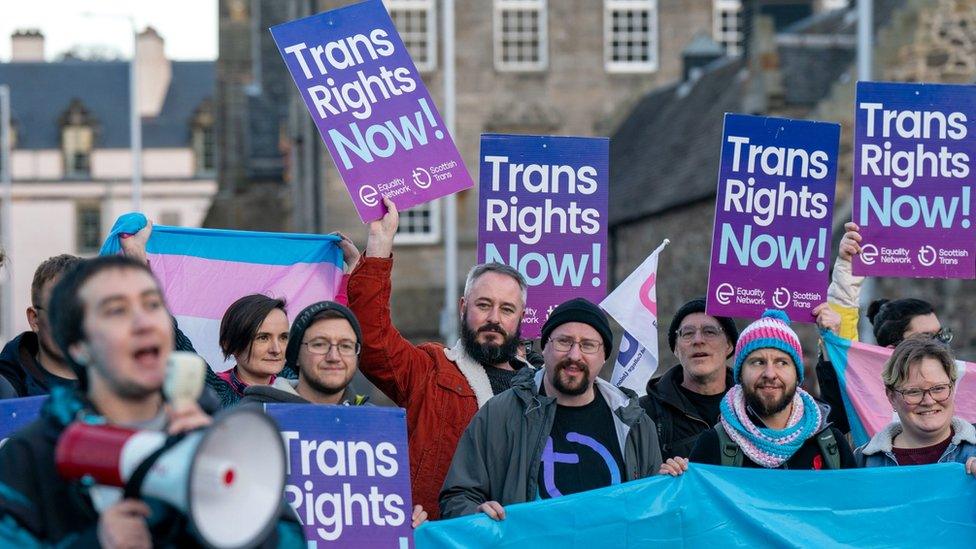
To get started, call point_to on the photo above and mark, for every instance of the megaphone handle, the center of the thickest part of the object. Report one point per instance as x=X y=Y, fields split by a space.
x=133 y=487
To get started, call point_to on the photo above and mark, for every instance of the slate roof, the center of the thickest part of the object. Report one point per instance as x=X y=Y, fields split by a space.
x=41 y=92
x=666 y=153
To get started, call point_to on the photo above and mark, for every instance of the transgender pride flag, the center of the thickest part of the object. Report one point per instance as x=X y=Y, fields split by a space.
x=203 y=271
x=859 y=368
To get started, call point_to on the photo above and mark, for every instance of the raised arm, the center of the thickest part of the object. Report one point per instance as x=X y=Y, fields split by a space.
x=387 y=359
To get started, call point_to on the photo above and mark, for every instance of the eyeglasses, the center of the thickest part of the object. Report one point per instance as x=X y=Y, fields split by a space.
x=944 y=335
x=321 y=347
x=586 y=346
x=709 y=333
x=939 y=393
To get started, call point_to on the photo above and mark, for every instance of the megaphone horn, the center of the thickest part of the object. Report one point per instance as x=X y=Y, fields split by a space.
x=228 y=479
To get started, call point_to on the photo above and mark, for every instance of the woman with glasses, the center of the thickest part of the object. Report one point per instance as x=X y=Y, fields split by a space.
x=920 y=380
x=892 y=321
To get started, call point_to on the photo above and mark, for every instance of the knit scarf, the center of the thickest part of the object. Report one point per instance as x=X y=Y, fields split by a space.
x=770 y=447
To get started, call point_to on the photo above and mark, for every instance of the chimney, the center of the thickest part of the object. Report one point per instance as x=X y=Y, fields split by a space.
x=153 y=72
x=765 y=90
x=701 y=52
x=27 y=46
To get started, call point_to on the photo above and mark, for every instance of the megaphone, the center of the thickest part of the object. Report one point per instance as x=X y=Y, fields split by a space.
x=228 y=479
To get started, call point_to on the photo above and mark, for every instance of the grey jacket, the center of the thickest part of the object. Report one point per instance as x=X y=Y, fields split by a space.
x=878 y=453
x=498 y=456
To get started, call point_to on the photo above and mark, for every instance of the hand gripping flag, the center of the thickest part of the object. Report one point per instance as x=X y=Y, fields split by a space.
x=633 y=304
x=859 y=367
x=203 y=271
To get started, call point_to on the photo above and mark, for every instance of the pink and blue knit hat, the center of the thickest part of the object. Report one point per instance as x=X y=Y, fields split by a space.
x=771 y=331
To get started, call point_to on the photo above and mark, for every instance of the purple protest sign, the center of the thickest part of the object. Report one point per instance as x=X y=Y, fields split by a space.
x=773 y=211
x=371 y=108
x=348 y=473
x=912 y=194
x=543 y=211
x=16 y=413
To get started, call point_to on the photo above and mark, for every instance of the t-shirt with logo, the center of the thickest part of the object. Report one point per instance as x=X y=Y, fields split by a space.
x=581 y=452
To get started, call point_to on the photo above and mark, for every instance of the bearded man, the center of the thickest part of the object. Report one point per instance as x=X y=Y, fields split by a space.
x=558 y=431
x=767 y=420
x=440 y=387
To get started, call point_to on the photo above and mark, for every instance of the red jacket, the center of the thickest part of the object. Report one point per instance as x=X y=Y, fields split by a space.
x=440 y=388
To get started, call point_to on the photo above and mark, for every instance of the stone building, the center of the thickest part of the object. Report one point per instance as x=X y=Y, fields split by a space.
x=666 y=189
x=567 y=67
x=71 y=162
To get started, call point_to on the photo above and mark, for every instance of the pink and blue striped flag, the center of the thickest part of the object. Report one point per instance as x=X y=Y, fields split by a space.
x=859 y=366
x=203 y=271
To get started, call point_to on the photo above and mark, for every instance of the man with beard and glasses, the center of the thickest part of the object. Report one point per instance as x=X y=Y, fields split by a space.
x=32 y=362
x=557 y=431
x=440 y=387
x=767 y=420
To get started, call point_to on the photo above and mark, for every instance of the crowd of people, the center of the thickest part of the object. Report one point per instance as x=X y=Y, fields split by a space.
x=489 y=422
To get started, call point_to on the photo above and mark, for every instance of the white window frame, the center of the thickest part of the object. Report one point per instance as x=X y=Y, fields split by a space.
x=429 y=237
x=611 y=6
x=730 y=41
x=429 y=7
x=500 y=8
x=829 y=5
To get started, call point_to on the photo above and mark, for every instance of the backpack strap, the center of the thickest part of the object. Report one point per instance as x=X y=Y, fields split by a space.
x=729 y=452
x=828 y=448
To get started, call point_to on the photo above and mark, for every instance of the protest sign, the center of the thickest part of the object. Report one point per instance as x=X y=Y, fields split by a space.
x=773 y=212
x=371 y=108
x=203 y=271
x=633 y=304
x=543 y=211
x=712 y=506
x=912 y=194
x=16 y=413
x=348 y=473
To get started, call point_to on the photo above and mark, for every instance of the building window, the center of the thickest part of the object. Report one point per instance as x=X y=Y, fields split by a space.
x=520 y=35
x=727 y=25
x=420 y=224
x=416 y=22
x=630 y=35
x=89 y=228
x=77 y=140
x=204 y=144
x=829 y=5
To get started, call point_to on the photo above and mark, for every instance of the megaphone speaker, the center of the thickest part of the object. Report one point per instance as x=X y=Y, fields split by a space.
x=228 y=478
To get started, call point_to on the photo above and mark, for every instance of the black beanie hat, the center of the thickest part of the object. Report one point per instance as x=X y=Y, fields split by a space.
x=304 y=319
x=698 y=306
x=580 y=310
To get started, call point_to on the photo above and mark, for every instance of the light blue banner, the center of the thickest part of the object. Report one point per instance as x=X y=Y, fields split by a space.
x=710 y=506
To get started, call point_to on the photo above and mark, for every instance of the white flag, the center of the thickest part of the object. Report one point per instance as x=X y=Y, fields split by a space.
x=634 y=306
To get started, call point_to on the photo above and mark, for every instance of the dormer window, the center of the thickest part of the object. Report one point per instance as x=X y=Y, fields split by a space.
x=204 y=139
x=77 y=140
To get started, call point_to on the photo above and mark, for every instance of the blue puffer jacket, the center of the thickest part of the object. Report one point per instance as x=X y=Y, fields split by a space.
x=878 y=452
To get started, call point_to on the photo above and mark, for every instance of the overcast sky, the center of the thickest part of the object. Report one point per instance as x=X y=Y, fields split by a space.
x=188 y=26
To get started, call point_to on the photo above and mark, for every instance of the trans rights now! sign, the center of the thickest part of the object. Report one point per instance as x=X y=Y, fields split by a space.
x=348 y=473
x=913 y=195
x=771 y=238
x=371 y=108
x=543 y=211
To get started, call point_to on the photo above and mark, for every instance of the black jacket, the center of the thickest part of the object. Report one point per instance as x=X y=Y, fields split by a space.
x=282 y=391
x=37 y=505
x=678 y=423
x=830 y=394
x=20 y=368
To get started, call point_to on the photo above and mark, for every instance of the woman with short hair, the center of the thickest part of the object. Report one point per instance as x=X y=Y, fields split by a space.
x=919 y=379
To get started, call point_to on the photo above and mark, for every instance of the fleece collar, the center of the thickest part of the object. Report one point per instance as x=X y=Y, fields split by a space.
x=962 y=431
